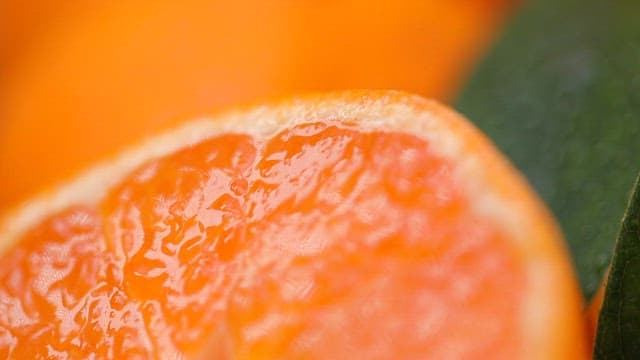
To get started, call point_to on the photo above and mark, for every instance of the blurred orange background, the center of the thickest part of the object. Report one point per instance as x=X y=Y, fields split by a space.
x=80 y=80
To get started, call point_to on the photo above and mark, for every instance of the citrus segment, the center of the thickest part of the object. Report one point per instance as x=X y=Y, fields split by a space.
x=60 y=296
x=321 y=228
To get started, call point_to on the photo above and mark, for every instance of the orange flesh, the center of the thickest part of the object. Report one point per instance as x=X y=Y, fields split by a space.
x=321 y=242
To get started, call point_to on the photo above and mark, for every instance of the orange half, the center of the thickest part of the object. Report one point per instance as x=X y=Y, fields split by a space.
x=349 y=225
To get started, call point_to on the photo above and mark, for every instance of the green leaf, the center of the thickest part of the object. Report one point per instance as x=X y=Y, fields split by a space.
x=560 y=95
x=618 y=331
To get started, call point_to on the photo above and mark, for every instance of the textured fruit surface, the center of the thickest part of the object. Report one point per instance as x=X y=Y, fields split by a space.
x=327 y=238
x=270 y=248
x=97 y=76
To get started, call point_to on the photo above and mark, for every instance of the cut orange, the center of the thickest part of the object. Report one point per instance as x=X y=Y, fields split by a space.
x=104 y=74
x=593 y=311
x=353 y=225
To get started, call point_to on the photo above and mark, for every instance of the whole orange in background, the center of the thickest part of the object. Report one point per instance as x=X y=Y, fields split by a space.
x=109 y=73
x=365 y=225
